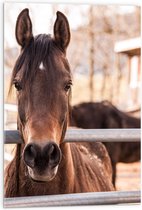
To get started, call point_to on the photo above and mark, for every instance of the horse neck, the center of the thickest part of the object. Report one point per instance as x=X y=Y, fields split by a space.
x=66 y=168
x=66 y=154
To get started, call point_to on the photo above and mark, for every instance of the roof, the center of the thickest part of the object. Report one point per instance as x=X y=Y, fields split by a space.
x=130 y=47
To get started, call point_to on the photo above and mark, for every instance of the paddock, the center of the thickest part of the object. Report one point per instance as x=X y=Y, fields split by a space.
x=96 y=198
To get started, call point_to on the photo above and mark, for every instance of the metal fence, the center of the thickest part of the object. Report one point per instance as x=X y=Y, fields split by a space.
x=96 y=198
x=88 y=135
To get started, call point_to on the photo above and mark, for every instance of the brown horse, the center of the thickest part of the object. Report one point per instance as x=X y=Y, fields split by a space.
x=105 y=115
x=44 y=164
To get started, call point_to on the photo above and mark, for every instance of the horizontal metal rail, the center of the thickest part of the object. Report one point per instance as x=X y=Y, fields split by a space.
x=11 y=107
x=85 y=135
x=12 y=137
x=103 y=135
x=95 y=198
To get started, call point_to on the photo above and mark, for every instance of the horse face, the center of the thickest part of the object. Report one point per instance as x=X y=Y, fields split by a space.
x=43 y=81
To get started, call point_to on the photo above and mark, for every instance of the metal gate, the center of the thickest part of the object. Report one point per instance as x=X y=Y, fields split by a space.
x=95 y=198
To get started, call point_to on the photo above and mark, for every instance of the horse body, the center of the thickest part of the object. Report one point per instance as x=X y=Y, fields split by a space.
x=105 y=115
x=44 y=164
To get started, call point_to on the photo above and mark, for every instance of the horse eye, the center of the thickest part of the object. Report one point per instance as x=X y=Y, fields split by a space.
x=67 y=86
x=17 y=85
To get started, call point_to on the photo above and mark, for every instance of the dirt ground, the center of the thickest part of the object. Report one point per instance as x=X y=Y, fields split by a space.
x=128 y=176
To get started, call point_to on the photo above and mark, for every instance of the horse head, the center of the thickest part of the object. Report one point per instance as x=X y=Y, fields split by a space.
x=43 y=82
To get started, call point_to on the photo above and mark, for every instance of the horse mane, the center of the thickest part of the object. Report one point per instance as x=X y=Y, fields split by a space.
x=13 y=189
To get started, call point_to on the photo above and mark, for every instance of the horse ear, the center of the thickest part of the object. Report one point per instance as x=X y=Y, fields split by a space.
x=62 y=31
x=23 y=28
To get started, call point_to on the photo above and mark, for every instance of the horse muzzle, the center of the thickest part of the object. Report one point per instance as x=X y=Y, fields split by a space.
x=42 y=161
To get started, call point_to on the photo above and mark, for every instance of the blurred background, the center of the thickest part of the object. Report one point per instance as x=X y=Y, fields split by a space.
x=104 y=55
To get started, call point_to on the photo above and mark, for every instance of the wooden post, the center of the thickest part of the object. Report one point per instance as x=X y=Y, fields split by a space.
x=129 y=70
x=119 y=77
x=91 y=52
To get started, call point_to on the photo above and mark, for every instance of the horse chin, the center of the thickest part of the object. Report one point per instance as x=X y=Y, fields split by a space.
x=45 y=177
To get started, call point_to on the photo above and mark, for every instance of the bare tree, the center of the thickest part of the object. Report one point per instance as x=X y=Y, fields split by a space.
x=91 y=51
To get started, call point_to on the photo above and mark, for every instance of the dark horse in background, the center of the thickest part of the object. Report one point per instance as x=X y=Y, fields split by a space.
x=44 y=164
x=105 y=115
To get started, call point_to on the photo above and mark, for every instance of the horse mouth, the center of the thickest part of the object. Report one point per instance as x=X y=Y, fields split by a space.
x=41 y=179
x=47 y=176
x=37 y=181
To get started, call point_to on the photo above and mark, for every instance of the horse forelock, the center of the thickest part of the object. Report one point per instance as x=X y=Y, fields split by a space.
x=40 y=52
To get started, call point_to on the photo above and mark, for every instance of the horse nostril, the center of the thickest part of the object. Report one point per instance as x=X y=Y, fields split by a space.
x=51 y=149
x=54 y=154
x=41 y=157
x=30 y=154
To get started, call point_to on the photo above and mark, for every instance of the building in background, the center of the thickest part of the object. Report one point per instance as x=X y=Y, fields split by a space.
x=132 y=49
